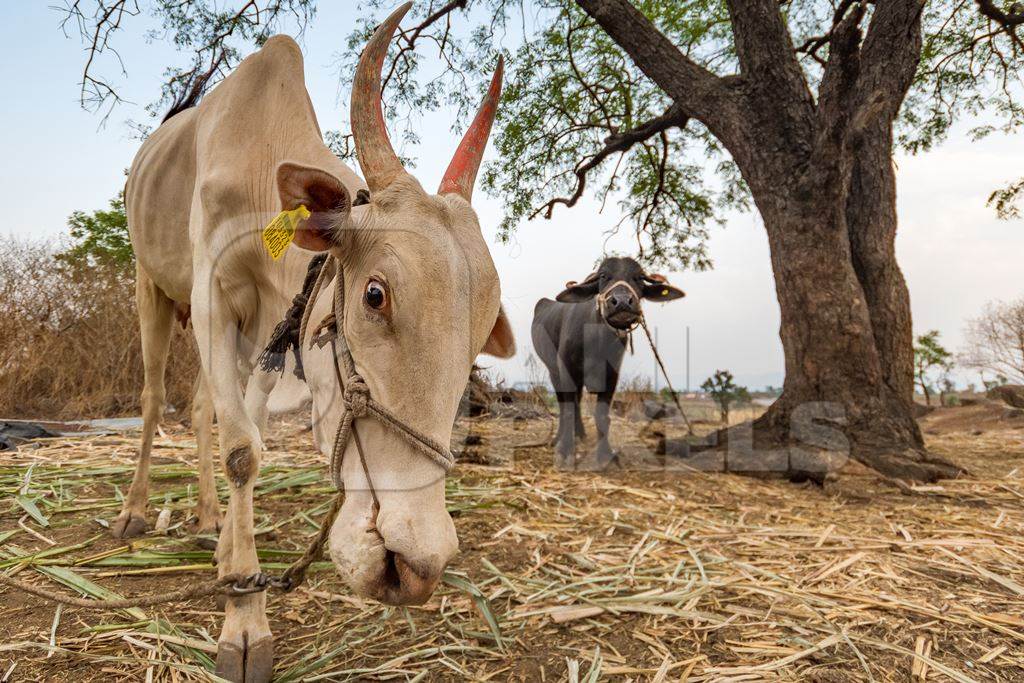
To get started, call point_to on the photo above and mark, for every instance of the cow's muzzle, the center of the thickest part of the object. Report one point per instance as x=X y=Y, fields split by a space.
x=394 y=556
x=619 y=305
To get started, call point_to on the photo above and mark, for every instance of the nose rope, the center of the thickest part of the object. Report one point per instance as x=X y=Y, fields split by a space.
x=621 y=333
x=355 y=393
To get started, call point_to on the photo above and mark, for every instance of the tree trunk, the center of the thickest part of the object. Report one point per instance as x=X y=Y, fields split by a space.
x=846 y=326
x=820 y=172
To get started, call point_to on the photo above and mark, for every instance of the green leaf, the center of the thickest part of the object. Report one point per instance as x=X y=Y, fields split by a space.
x=483 y=605
x=29 y=505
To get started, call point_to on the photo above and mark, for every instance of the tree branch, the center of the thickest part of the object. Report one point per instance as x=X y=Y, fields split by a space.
x=842 y=70
x=1009 y=21
x=412 y=35
x=1006 y=19
x=199 y=26
x=764 y=47
x=811 y=46
x=889 y=58
x=620 y=142
x=700 y=93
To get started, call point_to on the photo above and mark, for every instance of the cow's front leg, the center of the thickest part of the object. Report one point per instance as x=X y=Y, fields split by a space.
x=565 y=442
x=245 y=649
x=602 y=421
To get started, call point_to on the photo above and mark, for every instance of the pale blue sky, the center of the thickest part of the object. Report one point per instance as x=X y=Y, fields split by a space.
x=955 y=254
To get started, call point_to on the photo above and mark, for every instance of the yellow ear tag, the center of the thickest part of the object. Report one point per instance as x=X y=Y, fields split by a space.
x=664 y=292
x=280 y=232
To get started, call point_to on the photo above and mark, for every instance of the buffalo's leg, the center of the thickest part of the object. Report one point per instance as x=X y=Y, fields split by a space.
x=245 y=649
x=602 y=421
x=156 y=312
x=207 y=510
x=565 y=443
x=581 y=432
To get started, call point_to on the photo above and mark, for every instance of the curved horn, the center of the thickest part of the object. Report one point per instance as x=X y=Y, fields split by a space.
x=461 y=174
x=376 y=156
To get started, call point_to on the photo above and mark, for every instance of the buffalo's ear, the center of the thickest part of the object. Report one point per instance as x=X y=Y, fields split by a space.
x=657 y=288
x=323 y=194
x=500 y=343
x=576 y=292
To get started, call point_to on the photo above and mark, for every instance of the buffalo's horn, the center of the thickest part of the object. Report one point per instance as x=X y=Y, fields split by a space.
x=377 y=158
x=461 y=174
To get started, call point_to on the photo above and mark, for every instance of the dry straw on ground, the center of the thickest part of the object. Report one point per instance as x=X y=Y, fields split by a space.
x=632 y=575
x=70 y=341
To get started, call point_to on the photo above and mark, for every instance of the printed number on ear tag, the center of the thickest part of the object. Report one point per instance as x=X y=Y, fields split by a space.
x=280 y=232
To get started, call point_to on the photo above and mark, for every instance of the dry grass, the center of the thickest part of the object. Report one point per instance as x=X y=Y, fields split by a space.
x=632 y=575
x=70 y=343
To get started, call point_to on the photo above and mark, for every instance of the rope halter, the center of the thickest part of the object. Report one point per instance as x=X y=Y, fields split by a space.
x=620 y=332
x=357 y=403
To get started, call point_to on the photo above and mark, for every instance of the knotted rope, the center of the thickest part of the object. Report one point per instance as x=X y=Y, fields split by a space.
x=355 y=394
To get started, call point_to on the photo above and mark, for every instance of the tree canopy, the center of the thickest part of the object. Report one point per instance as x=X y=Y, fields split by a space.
x=578 y=116
x=930 y=357
x=100 y=236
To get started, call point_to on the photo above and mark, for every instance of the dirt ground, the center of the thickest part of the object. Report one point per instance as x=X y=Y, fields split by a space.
x=648 y=572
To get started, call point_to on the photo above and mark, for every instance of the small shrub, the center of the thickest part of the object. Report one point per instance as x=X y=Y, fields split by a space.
x=724 y=392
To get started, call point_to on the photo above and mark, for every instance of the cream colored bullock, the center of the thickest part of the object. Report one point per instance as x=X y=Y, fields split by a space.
x=422 y=300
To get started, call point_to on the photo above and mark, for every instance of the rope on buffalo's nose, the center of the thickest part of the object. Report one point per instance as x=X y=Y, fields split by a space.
x=295 y=575
x=657 y=357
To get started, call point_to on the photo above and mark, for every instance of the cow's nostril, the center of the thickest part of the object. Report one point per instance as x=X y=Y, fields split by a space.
x=403 y=584
x=391 y=576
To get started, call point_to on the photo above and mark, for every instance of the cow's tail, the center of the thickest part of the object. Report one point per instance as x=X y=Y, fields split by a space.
x=194 y=87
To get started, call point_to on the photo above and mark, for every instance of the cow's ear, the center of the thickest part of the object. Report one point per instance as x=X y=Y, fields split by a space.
x=322 y=194
x=576 y=292
x=657 y=288
x=500 y=343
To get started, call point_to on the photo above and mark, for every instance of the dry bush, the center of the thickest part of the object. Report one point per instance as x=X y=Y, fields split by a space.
x=632 y=392
x=995 y=341
x=70 y=341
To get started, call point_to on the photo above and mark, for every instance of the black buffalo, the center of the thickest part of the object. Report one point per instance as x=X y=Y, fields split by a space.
x=582 y=337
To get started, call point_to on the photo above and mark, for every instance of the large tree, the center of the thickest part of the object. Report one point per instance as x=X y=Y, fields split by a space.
x=798 y=103
x=679 y=110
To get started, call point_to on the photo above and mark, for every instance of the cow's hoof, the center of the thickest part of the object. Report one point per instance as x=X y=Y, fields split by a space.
x=565 y=462
x=206 y=532
x=128 y=525
x=601 y=462
x=246 y=662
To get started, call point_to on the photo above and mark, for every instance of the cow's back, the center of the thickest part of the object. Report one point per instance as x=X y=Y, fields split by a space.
x=205 y=180
x=158 y=197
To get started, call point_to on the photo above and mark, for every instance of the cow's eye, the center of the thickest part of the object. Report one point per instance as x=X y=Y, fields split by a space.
x=376 y=295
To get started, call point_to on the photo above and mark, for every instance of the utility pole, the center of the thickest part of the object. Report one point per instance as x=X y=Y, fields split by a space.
x=656 y=342
x=687 y=359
